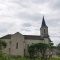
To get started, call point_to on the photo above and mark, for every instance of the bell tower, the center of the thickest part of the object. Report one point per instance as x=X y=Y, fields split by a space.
x=44 y=29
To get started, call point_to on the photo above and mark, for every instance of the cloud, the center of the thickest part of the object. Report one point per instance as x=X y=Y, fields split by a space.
x=41 y=1
x=28 y=16
x=55 y=4
x=26 y=25
x=25 y=16
x=6 y=28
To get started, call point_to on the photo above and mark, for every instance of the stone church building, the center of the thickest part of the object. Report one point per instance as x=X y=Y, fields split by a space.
x=17 y=43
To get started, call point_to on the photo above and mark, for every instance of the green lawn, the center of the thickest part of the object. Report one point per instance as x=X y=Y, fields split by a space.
x=4 y=56
x=23 y=58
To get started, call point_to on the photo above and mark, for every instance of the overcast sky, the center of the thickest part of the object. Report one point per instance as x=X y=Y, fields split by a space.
x=25 y=16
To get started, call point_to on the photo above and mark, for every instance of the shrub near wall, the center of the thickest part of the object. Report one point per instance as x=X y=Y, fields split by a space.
x=4 y=56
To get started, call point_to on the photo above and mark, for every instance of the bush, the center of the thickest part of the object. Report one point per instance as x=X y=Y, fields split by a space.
x=4 y=56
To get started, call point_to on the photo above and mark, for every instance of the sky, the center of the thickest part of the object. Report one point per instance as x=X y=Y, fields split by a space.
x=25 y=16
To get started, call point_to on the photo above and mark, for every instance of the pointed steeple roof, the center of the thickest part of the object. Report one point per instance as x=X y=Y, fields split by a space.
x=43 y=23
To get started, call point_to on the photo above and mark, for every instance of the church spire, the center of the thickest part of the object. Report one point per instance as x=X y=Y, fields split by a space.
x=44 y=29
x=43 y=23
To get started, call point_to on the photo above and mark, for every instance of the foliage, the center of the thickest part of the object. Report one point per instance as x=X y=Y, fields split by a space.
x=58 y=46
x=58 y=49
x=31 y=50
x=3 y=44
x=38 y=48
x=4 y=56
x=51 y=45
x=23 y=58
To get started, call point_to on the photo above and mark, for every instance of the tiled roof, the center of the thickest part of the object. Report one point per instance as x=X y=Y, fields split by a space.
x=33 y=37
x=6 y=36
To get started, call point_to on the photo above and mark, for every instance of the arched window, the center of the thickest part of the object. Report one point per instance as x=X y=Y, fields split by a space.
x=9 y=51
x=16 y=45
x=44 y=31
x=24 y=52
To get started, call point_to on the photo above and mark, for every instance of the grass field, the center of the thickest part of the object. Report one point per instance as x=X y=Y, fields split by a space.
x=23 y=58
x=4 y=56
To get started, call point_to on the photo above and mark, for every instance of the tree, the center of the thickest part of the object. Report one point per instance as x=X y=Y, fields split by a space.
x=42 y=48
x=58 y=46
x=3 y=44
x=52 y=48
x=58 y=49
x=38 y=48
x=31 y=50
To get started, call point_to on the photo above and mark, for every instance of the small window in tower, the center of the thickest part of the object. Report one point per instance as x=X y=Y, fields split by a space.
x=44 y=31
x=16 y=45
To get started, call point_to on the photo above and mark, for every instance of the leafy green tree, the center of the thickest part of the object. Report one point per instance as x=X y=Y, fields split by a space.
x=31 y=50
x=51 y=49
x=58 y=49
x=39 y=48
x=58 y=46
x=3 y=44
x=42 y=48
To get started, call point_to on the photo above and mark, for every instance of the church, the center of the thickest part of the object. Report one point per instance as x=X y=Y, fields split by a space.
x=17 y=43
